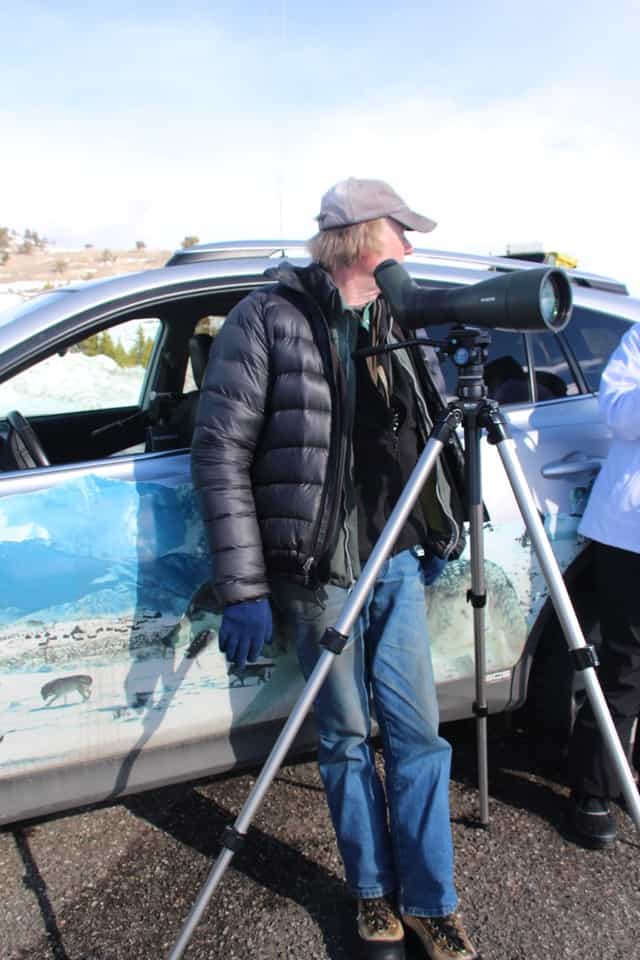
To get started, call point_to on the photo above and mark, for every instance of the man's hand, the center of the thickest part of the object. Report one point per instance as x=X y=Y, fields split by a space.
x=245 y=629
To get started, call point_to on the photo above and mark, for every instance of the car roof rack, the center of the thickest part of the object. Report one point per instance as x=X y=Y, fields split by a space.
x=236 y=249
x=277 y=249
x=505 y=264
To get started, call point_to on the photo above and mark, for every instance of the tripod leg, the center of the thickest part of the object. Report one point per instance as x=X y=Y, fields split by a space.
x=477 y=597
x=568 y=621
x=335 y=640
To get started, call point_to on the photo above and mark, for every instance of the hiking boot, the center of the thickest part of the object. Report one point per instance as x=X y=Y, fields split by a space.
x=380 y=930
x=443 y=938
x=592 y=821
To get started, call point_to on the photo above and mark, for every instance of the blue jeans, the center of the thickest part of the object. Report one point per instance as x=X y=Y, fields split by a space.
x=403 y=843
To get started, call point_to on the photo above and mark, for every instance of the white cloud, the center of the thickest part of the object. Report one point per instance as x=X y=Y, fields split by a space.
x=529 y=168
x=549 y=166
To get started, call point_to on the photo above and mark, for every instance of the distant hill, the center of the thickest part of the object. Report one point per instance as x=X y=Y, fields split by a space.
x=39 y=261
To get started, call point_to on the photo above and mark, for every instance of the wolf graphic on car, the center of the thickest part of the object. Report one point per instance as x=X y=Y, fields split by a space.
x=63 y=686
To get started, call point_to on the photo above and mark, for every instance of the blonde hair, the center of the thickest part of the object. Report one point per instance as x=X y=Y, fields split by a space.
x=343 y=246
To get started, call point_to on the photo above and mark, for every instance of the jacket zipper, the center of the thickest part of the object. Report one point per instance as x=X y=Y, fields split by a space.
x=325 y=522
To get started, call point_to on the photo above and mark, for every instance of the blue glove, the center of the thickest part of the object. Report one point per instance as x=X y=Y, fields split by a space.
x=244 y=630
x=432 y=567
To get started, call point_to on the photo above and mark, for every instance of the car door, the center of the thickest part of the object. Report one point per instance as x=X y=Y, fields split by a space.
x=551 y=408
x=110 y=675
x=562 y=440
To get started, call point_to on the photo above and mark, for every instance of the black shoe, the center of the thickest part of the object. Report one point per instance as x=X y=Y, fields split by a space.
x=592 y=821
x=380 y=931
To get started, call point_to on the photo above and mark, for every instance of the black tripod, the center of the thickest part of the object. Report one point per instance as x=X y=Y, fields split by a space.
x=467 y=346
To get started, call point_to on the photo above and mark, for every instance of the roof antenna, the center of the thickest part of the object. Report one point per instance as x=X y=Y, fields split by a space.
x=280 y=173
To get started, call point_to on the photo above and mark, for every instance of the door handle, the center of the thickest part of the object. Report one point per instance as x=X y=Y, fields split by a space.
x=571 y=465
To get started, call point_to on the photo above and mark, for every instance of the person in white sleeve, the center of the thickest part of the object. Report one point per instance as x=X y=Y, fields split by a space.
x=612 y=522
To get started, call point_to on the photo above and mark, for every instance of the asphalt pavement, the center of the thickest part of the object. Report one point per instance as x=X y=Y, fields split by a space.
x=117 y=882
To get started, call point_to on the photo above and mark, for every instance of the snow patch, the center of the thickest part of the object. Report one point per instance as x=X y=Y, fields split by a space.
x=71 y=382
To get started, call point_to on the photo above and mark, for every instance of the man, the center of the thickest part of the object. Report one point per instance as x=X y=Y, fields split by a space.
x=612 y=521
x=300 y=452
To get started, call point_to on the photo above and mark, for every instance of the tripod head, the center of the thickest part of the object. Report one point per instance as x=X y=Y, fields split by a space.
x=466 y=346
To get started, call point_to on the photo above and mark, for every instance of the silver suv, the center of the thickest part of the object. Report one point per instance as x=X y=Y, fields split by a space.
x=110 y=676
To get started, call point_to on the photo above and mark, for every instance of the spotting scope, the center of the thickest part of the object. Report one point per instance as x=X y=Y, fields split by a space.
x=535 y=299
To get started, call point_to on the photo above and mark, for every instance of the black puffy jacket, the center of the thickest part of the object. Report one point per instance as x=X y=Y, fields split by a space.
x=269 y=446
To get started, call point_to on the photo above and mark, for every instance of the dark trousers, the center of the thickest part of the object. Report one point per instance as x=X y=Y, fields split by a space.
x=618 y=587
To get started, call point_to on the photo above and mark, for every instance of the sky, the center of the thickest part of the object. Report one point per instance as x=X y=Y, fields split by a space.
x=508 y=123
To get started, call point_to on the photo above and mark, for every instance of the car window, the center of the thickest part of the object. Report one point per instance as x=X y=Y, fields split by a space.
x=104 y=371
x=554 y=377
x=593 y=335
x=506 y=370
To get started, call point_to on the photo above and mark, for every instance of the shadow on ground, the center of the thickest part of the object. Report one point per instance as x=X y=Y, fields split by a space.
x=198 y=822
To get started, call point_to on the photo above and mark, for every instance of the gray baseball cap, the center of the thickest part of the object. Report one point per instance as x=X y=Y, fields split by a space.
x=354 y=201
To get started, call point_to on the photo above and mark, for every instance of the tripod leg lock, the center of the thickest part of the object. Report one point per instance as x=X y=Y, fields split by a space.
x=232 y=839
x=476 y=599
x=584 y=657
x=334 y=640
x=491 y=419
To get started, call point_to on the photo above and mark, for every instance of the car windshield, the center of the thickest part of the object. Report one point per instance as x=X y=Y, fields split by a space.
x=24 y=308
